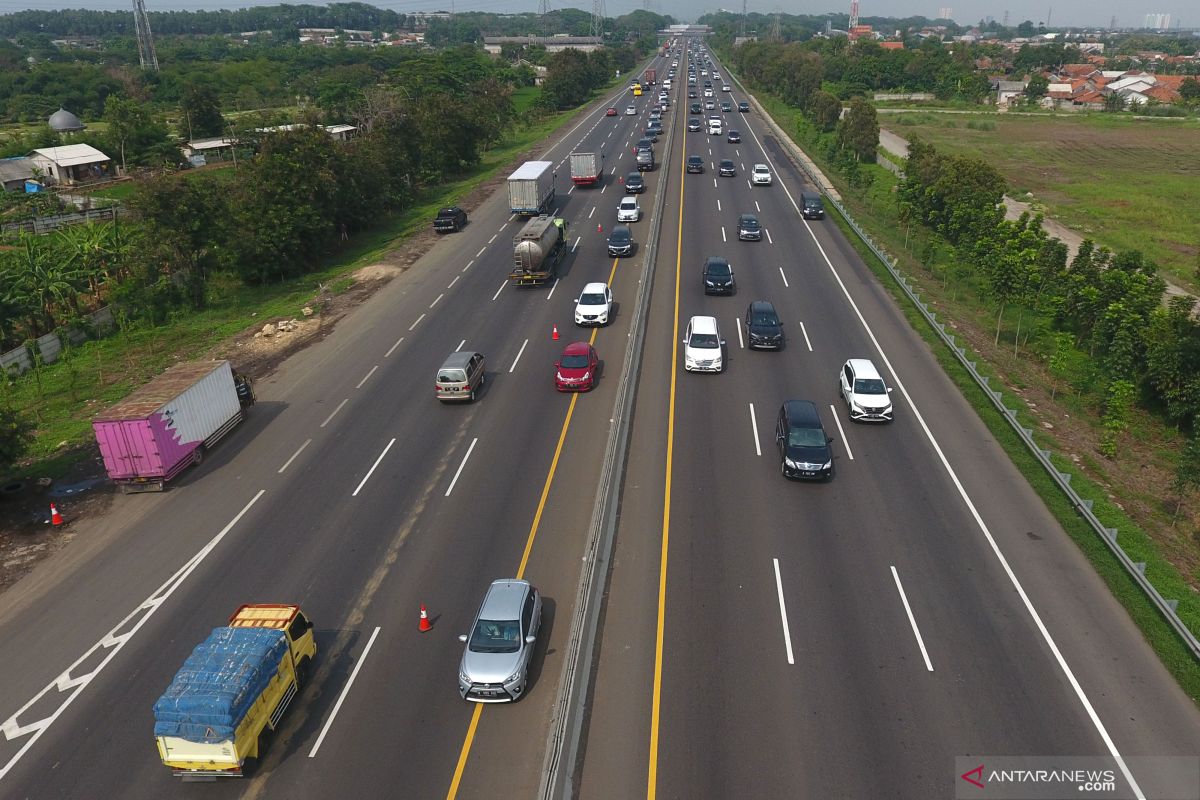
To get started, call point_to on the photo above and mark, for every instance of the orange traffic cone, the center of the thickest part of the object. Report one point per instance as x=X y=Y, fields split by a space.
x=554 y=333
x=425 y=623
x=621 y=180
x=599 y=228
x=55 y=518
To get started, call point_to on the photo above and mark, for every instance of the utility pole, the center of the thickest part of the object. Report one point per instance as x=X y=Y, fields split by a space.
x=141 y=22
x=1005 y=24
x=742 y=22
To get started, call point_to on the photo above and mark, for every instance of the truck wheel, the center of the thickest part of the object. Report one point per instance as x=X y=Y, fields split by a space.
x=301 y=673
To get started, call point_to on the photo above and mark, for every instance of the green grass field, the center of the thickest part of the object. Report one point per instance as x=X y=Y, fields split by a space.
x=1129 y=184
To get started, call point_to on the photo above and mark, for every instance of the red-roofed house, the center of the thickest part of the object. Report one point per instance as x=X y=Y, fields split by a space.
x=892 y=45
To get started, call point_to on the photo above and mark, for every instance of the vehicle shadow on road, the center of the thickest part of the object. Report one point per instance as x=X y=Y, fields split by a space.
x=549 y=607
x=258 y=417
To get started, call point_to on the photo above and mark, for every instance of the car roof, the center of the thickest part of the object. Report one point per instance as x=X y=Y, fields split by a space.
x=716 y=260
x=703 y=324
x=802 y=412
x=863 y=368
x=627 y=200
x=576 y=349
x=635 y=174
x=620 y=230
x=748 y=217
x=762 y=166
x=725 y=161
x=458 y=359
x=761 y=307
x=594 y=287
x=504 y=599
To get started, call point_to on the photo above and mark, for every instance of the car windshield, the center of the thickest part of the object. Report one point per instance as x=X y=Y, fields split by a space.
x=718 y=269
x=749 y=222
x=496 y=636
x=764 y=319
x=869 y=386
x=451 y=376
x=705 y=341
x=574 y=362
x=806 y=437
x=591 y=300
x=725 y=162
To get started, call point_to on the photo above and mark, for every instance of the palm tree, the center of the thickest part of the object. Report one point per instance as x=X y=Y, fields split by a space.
x=88 y=251
x=39 y=282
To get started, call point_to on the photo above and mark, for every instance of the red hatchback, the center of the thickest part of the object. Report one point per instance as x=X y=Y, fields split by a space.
x=612 y=112
x=575 y=370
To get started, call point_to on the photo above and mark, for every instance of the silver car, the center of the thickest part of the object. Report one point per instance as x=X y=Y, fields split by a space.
x=495 y=663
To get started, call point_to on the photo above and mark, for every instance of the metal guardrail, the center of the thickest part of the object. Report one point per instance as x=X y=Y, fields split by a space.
x=575 y=682
x=1136 y=569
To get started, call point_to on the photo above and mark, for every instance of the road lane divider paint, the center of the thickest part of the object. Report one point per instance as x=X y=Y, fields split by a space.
x=333 y=413
x=723 y=239
x=754 y=430
x=371 y=471
x=460 y=345
x=912 y=620
x=804 y=330
x=838 y=420
x=481 y=250
x=367 y=377
x=756 y=207
x=784 y=276
x=501 y=289
x=578 y=239
x=738 y=324
x=787 y=634
x=345 y=691
x=458 y=472
x=392 y=349
x=437 y=299
x=767 y=231
x=456 y=277
x=468 y=266
x=113 y=641
x=494 y=235
x=299 y=450
x=415 y=324
x=524 y=344
x=552 y=288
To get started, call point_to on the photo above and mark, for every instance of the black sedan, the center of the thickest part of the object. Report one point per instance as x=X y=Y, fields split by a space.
x=749 y=229
x=744 y=107
x=695 y=164
x=763 y=328
x=726 y=169
x=734 y=136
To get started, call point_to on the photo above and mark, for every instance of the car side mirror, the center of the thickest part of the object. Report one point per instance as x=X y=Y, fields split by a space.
x=530 y=639
x=889 y=390
x=462 y=637
x=829 y=440
x=557 y=364
x=722 y=343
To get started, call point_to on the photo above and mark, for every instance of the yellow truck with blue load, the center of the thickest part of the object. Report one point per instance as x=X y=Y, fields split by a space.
x=232 y=690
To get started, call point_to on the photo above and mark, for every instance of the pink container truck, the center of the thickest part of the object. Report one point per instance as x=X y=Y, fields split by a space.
x=162 y=428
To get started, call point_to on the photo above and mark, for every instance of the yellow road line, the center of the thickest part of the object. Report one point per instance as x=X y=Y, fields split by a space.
x=656 y=703
x=465 y=753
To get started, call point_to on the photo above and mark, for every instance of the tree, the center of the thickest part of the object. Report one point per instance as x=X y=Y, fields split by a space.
x=133 y=129
x=1025 y=29
x=1189 y=90
x=16 y=433
x=1115 y=103
x=1187 y=473
x=1037 y=87
x=201 y=111
x=825 y=110
x=858 y=131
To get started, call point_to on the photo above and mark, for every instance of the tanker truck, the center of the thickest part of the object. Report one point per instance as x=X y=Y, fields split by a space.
x=537 y=249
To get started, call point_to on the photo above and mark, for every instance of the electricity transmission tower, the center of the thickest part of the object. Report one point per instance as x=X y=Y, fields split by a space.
x=742 y=22
x=776 y=30
x=145 y=40
x=598 y=18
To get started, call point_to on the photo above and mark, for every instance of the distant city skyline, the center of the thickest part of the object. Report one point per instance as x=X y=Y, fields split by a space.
x=1182 y=14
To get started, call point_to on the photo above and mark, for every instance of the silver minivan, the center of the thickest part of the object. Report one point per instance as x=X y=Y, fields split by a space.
x=460 y=376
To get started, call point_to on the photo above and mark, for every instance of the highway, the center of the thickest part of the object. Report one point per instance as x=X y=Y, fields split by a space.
x=761 y=638
x=351 y=491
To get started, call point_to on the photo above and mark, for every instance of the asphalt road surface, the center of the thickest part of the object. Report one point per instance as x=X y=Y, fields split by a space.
x=761 y=638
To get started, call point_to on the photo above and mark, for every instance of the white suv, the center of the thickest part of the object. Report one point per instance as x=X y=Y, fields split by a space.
x=629 y=210
x=760 y=175
x=594 y=305
x=865 y=392
x=703 y=347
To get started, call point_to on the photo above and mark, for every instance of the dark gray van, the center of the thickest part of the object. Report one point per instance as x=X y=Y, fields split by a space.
x=460 y=376
x=804 y=449
x=811 y=206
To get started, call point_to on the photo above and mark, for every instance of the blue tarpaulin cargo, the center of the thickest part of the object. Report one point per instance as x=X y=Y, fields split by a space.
x=218 y=684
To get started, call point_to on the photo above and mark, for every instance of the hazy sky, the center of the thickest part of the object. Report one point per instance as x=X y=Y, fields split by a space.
x=1061 y=12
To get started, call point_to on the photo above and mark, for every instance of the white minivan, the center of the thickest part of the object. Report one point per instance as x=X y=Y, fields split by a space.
x=714 y=127
x=703 y=347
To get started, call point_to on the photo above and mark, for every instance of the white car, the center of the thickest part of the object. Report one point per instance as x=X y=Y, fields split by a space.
x=726 y=88
x=760 y=175
x=703 y=347
x=631 y=111
x=708 y=93
x=866 y=395
x=629 y=210
x=594 y=305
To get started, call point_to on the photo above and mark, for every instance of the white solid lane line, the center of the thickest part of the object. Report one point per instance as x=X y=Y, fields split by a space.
x=299 y=450
x=460 y=345
x=501 y=289
x=333 y=413
x=371 y=471
x=367 y=377
x=468 y=266
x=838 y=420
x=437 y=300
x=392 y=349
x=415 y=324
x=456 y=277
x=345 y=691
x=804 y=330
x=552 y=288
x=785 y=283
x=787 y=634
x=738 y=325
x=912 y=620
x=754 y=430
x=477 y=255
x=454 y=480
x=518 y=358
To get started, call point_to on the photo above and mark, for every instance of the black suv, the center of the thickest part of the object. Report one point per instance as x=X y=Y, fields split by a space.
x=749 y=229
x=695 y=164
x=734 y=136
x=763 y=328
x=694 y=124
x=804 y=450
x=744 y=107
x=726 y=168
x=694 y=108
x=620 y=241
x=634 y=184
x=718 y=276
x=811 y=206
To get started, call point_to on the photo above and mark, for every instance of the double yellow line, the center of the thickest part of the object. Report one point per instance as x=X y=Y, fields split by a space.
x=465 y=753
